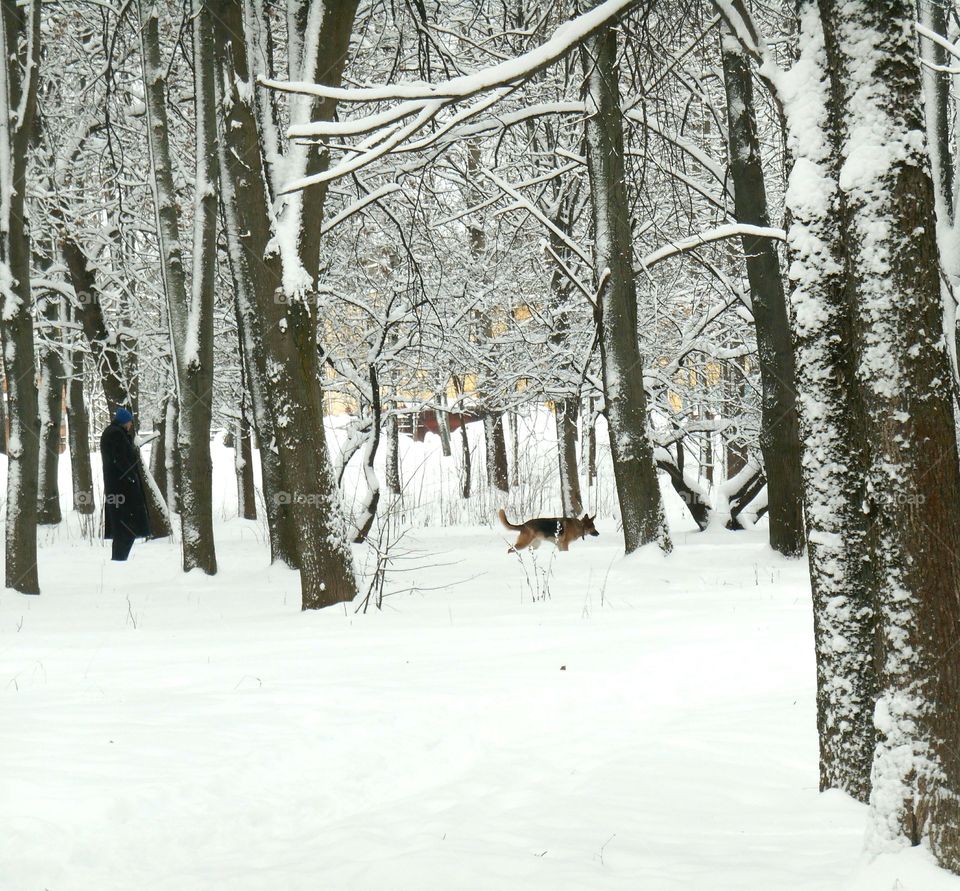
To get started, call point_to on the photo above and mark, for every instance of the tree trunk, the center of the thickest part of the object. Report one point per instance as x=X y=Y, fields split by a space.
x=51 y=410
x=78 y=435
x=515 y=451
x=565 y=416
x=170 y=455
x=18 y=100
x=466 y=472
x=498 y=474
x=158 y=449
x=934 y=14
x=638 y=492
x=887 y=223
x=190 y=317
x=246 y=492
x=779 y=434
x=443 y=424
x=833 y=454
x=369 y=513
x=4 y=430
x=588 y=448
x=393 y=454
x=244 y=199
x=277 y=297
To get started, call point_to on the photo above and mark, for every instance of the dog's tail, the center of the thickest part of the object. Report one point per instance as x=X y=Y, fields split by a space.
x=506 y=522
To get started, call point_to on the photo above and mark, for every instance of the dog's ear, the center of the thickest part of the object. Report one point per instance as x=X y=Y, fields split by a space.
x=585 y=518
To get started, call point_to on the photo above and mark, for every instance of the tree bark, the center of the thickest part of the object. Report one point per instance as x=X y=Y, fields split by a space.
x=18 y=101
x=278 y=302
x=369 y=513
x=78 y=434
x=158 y=449
x=443 y=424
x=779 y=434
x=171 y=458
x=243 y=454
x=588 y=448
x=393 y=454
x=934 y=14
x=498 y=474
x=833 y=454
x=641 y=507
x=515 y=450
x=565 y=416
x=190 y=316
x=887 y=223
x=243 y=464
x=51 y=410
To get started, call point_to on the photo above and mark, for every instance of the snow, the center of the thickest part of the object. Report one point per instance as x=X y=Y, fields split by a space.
x=564 y=721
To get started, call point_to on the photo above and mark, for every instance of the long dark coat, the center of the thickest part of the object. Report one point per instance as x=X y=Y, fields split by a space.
x=125 y=504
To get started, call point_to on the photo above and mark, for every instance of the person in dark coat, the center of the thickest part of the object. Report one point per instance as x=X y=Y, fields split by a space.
x=125 y=504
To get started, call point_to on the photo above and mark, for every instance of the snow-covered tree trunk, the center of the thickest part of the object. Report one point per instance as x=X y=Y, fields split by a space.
x=779 y=435
x=158 y=448
x=887 y=223
x=565 y=413
x=325 y=559
x=50 y=403
x=638 y=492
x=443 y=424
x=369 y=511
x=171 y=461
x=245 y=200
x=588 y=447
x=498 y=474
x=393 y=453
x=833 y=455
x=276 y=273
x=78 y=434
x=243 y=465
x=243 y=455
x=934 y=16
x=466 y=469
x=3 y=414
x=190 y=315
x=19 y=73
x=515 y=451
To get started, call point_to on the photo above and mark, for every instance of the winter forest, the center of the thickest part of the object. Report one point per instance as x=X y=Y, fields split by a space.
x=335 y=310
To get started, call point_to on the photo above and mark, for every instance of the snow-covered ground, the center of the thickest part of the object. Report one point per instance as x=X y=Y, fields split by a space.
x=577 y=721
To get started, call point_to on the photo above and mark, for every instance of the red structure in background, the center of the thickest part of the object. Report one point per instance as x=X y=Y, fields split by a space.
x=426 y=422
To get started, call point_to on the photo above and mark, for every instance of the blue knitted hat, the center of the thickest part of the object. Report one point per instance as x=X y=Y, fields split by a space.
x=122 y=416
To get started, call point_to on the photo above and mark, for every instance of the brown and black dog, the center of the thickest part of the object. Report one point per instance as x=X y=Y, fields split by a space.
x=560 y=530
